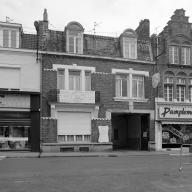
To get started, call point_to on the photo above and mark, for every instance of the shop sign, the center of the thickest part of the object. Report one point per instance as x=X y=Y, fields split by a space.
x=16 y=101
x=175 y=112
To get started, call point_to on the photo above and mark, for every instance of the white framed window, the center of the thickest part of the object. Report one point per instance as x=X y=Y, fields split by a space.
x=122 y=85
x=181 y=89
x=168 y=88
x=74 y=80
x=10 y=38
x=130 y=84
x=138 y=87
x=185 y=55
x=73 y=77
x=87 y=81
x=129 y=48
x=61 y=79
x=75 y=44
x=174 y=54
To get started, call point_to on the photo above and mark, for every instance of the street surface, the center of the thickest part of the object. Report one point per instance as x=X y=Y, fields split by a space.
x=139 y=173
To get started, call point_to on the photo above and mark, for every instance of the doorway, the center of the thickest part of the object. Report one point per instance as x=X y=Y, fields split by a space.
x=130 y=131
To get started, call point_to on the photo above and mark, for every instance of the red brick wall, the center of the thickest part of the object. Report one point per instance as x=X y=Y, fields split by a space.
x=103 y=82
x=49 y=131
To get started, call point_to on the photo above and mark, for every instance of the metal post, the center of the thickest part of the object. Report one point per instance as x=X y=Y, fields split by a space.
x=180 y=157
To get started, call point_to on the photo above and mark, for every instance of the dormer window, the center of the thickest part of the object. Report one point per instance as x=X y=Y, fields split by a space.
x=129 y=44
x=10 y=33
x=74 y=38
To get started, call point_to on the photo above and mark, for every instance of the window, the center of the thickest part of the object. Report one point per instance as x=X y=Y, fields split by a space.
x=5 y=38
x=74 y=38
x=128 y=41
x=185 y=55
x=75 y=44
x=168 y=88
x=181 y=89
x=130 y=48
x=9 y=38
x=129 y=84
x=61 y=79
x=122 y=85
x=138 y=86
x=74 y=80
x=87 y=81
x=174 y=54
x=190 y=90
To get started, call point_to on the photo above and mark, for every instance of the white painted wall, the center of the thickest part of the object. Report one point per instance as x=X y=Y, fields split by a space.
x=29 y=69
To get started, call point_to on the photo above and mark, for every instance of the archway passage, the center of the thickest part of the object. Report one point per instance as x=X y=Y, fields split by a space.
x=130 y=131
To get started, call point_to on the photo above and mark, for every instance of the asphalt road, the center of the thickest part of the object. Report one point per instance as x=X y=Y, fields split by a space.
x=152 y=173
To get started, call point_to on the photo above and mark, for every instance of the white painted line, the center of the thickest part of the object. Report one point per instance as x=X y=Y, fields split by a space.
x=177 y=154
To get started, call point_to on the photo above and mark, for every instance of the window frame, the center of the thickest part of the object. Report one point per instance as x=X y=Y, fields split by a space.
x=173 y=57
x=185 y=60
x=130 y=73
x=168 y=86
x=74 y=67
x=180 y=89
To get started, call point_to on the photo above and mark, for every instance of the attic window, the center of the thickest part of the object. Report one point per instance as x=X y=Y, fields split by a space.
x=74 y=38
x=10 y=34
x=129 y=44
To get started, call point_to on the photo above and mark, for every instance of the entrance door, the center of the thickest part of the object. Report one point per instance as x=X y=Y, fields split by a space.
x=144 y=132
x=130 y=131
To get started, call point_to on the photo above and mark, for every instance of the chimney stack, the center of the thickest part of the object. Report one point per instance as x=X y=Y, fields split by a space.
x=143 y=30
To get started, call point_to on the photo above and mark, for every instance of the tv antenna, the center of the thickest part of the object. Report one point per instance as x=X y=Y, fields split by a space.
x=95 y=24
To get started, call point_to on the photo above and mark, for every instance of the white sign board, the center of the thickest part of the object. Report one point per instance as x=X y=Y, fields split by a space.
x=175 y=112
x=103 y=134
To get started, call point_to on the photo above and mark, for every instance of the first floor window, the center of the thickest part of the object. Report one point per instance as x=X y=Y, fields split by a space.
x=131 y=86
x=74 y=80
x=168 y=92
x=138 y=86
x=61 y=79
x=122 y=85
x=87 y=81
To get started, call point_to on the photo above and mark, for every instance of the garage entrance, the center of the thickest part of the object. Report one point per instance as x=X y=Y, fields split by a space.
x=130 y=131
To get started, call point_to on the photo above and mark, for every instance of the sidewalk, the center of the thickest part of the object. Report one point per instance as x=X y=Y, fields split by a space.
x=87 y=154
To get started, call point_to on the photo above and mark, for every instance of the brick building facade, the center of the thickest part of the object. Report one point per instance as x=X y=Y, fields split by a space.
x=96 y=90
x=174 y=96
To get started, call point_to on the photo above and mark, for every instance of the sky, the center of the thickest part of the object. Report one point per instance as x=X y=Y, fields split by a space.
x=112 y=17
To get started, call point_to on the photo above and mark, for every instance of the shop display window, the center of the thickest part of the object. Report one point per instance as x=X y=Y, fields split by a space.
x=14 y=137
x=175 y=135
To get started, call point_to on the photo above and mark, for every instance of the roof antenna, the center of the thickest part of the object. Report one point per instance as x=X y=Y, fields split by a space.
x=95 y=24
x=8 y=19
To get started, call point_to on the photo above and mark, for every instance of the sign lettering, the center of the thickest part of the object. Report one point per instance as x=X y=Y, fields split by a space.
x=175 y=112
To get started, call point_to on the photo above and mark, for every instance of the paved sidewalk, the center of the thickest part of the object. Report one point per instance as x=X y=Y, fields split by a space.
x=87 y=154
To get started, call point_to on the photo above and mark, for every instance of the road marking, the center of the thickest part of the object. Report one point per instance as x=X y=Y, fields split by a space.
x=177 y=154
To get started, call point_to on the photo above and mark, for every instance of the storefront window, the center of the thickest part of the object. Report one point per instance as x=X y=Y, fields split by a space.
x=174 y=135
x=14 y=137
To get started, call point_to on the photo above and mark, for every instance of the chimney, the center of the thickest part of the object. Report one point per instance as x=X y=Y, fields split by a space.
x=45 y=22
x=45 y=16
x=143 y=30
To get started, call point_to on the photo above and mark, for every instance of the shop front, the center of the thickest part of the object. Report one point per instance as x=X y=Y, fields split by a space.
x=17 y=130
x=173 y=125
